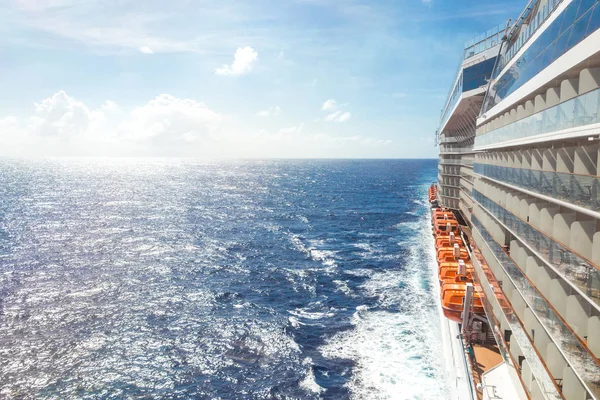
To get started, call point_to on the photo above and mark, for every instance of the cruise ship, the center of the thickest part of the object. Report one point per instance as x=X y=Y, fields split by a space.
x=519 y=168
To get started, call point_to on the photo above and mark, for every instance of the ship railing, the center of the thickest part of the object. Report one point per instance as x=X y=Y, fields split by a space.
x=576 y=112
x=577 y=270
x=578 y=189
x=582 y=362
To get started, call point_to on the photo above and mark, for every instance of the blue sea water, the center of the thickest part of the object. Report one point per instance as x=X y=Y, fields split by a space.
x=177 y=279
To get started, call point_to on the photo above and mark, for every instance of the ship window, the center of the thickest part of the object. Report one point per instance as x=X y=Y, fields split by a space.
x=579 y=29
x=595 y=20
x=584 y=7
x=569 y=16
x=560 y=46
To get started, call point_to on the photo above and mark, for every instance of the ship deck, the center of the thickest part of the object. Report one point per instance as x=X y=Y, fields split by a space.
x=487 y=356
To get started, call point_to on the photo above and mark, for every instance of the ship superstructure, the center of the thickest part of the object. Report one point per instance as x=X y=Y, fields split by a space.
x=531 y=198
x=456 y=133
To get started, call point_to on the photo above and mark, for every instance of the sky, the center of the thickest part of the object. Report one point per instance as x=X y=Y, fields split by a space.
x=232 y=78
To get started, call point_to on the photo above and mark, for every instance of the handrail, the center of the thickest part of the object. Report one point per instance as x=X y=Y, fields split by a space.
x=570 y=185
x=483 y=139
x=538 y=170
x=553 y=337
x=583 y=258
x=476 y=264
x=559 y=268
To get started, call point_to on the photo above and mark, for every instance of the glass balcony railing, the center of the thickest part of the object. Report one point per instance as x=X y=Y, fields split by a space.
x=467 y=177
x=453 y=97
x=577 y=270
x=578 y=111
x=509 y=52
x=484 y=41
x=577 y=355
x=465 y=189
x=456 y=161
x=448 y=172
x=582 y=190
x=449 y=139
x=459 y=150
x=449 y=183
x=580 y=19
x=449 y=161
x=494 y=299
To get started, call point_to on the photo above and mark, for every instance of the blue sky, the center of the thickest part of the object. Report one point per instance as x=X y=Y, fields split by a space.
x=231 y=78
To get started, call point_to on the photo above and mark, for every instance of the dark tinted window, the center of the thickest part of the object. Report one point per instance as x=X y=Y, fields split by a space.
x=595 y=20
x=548 y=47
x=579 y=29
x=477 y=75
x=569 y=16
x=585 y=5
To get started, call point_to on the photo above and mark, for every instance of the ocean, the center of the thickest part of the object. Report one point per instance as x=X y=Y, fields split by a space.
x=180 y=278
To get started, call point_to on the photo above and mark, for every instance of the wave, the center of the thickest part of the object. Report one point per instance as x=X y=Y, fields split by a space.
x=396 y=353
x=312 y=315
x=394 y=359
x=309 y=383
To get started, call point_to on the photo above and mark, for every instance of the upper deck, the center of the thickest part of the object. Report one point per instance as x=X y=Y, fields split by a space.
x=472 y=77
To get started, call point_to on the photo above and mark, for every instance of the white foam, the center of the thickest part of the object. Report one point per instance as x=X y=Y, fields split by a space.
x=326 y=257
x=295 y=323
x=311 y=315
x=397 y=355
x=364 y=246
x=343 y=287
x=309 y=383
x=392 y=361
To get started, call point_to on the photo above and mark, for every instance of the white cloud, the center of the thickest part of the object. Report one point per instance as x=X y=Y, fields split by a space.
x=243 y=62
x=329 y=105
x=62 y=125
x=427 y=2
x=344 y=117
x=60 y=116
x=291 y=129
x=167 y=119
x=110 y=106
x=271 y=111
x=8 y=122
x=163 y=121
x=146 y=50
x=338 y=116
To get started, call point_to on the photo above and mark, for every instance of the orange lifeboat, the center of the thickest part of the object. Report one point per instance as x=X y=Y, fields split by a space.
x=452 y=254
x=454 y=269
x=453 y=295
x=449 y=270
x=445 y=226
x=448 y=241
x=441 y=214
x=433 y=192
